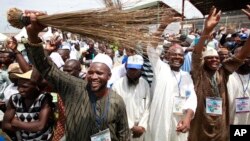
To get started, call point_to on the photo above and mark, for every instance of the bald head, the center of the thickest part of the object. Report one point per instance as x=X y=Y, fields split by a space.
x=175 y=57
x=223 y=54
x=73 y=67
x=64 y=53
x=110 y=52
x=175 y=48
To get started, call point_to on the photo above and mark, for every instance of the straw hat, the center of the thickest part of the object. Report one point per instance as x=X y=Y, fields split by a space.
x=14 y=68
x=26 y=75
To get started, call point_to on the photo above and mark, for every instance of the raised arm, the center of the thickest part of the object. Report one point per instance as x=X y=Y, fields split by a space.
x=34 y=45
x=244 y=52
x=211 y=21
x=19 y=57
x=61 y=81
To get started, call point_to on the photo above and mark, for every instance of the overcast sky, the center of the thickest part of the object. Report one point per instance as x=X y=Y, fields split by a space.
x=51 y=6
x=59 y=6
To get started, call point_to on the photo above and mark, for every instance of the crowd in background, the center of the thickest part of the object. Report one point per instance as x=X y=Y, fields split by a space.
x=69 y=87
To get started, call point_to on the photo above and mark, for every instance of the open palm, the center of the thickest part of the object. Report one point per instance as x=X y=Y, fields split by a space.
x=212 y=20
x=247 y=11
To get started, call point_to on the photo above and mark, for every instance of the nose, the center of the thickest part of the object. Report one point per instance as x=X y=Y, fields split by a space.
x=178 y=56
x=20 y=90
x=94 y=76
x=214 y=58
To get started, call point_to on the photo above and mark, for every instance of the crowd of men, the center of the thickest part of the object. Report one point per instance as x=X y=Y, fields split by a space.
x=58 y=89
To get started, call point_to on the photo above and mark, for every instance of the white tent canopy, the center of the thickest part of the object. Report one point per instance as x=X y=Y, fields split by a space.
x=22 y=33
x=190 y=11
x=3 y=37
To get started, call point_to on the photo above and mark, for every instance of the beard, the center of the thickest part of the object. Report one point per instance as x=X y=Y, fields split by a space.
x=244 y=69
x=133 y=82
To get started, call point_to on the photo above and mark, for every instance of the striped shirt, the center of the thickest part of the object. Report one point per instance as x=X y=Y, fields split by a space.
x=80 y=122
x=147 y=72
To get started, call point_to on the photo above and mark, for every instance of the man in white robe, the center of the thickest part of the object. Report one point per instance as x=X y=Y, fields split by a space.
x=166 y=121
x=135 y=92
x=117 y=73
x=239 y=89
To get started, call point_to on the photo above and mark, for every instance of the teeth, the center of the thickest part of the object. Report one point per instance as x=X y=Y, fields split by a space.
x=95 y=83
x=176 y=61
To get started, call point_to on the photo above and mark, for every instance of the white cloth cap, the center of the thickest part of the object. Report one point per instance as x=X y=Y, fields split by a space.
x=229 y=36
x=190 y=38
x=210 y=52
x=135 y=62
x=66 y=46
x=103 y=58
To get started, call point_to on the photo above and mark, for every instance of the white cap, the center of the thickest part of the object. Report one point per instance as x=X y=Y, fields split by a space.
x=135 y=62
x=65 y=46
x=229 y=36
x=190 y=38
x=103 y=58
x=210 y=52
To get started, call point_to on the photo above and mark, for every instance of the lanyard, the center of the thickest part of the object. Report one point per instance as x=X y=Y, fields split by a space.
x=100 y=119
x=244 y=89
x=178 y=82
x=215 y=85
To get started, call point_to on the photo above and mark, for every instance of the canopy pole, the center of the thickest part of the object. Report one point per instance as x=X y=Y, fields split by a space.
x=182 y=13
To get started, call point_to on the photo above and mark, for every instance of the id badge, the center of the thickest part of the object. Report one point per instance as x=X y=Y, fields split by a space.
x=54 y=97
x=214 y=105
x=242 y=104
x=101 y=136
x=178 y=105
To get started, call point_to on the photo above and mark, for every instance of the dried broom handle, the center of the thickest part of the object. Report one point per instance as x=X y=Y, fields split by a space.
x=25 y=20
x=16 y=19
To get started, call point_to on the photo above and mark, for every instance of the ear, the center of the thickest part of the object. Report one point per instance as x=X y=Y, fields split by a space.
x=109 y=75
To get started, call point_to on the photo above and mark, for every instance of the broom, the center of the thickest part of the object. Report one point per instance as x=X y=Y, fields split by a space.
x=110 y=24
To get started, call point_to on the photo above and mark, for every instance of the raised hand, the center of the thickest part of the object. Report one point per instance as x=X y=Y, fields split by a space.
x=34 y=28
x=247 y=11
x=12 y=43
x=212 y=20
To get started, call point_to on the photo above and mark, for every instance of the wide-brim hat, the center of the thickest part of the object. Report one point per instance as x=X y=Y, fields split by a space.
x=26 y=75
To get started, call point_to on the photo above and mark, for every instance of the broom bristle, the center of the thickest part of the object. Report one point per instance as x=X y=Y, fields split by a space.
x=107 y=24
x=13 y=17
